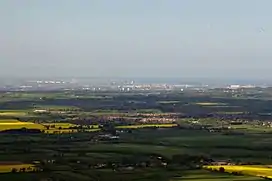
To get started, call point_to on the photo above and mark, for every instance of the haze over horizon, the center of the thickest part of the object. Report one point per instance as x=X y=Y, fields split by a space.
x=228 y=39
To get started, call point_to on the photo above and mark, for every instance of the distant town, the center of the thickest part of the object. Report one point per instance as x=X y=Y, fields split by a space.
x=120 y=85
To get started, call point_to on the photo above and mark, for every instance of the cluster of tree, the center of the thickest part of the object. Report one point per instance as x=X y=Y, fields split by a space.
x=22 y=131
x=193 y=161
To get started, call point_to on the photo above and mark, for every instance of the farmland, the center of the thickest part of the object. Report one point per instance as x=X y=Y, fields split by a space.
x=253 y=170
x=68 y=127
x=14 y=124
x=211 y=104
x=202 y=175
x=17 y=167
x=45 y=127
x=168 y=136
x=13 y=113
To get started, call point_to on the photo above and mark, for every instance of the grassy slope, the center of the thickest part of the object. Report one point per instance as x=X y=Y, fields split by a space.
x=202 y=175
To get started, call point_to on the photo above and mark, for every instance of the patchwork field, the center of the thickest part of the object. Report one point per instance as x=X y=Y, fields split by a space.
x=214 y=125
x=52 y=127
x=57 y=128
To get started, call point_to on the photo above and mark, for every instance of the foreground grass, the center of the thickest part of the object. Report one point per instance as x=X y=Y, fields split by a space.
x=21 y=176
x=202 y=175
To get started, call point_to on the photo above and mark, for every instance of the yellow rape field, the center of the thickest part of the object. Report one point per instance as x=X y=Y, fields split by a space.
x=255 y=170
x=7 y=168
x=59 y=128
x=14 y=124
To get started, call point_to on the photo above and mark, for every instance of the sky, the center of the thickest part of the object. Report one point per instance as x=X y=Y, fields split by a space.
x=136 y=38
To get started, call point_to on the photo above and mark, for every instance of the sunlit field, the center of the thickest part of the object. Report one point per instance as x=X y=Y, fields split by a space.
x=255 y=170
x=53 y=127
x=14 y=124
x=210 y=104
x=169 y=102
x=13 y=113
x=58 y=128
x=7 y=168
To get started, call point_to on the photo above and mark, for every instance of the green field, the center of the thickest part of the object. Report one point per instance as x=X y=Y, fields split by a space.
x=202 y=175
x=148 y=111
x=127 y=148
x=231 y=112
x=252 y=128
x=99 y=135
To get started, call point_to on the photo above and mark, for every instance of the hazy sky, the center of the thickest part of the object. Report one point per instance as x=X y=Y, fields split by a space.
x=136 y=38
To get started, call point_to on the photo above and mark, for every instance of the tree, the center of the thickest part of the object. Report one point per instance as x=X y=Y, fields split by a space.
x=222 y=169
x=13 y=170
